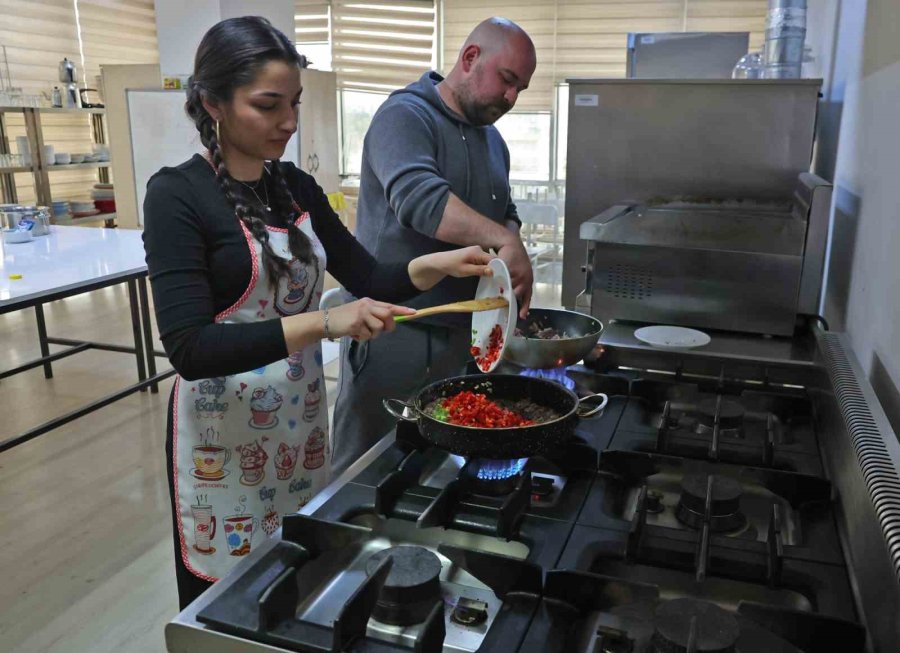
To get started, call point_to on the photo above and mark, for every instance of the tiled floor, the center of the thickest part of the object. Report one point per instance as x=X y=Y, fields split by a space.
x=84 y=511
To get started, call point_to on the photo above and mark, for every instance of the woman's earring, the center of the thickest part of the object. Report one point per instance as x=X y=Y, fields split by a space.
x=218 y=138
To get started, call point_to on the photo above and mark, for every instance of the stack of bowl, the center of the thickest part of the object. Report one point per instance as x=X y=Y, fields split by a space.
x=62 y=210
x=83 y=209
x=104 y=198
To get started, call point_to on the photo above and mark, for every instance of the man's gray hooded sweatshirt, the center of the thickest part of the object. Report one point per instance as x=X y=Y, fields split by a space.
x=416 y=152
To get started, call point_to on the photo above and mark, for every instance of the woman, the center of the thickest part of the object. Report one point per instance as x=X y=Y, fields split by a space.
x=237 y=245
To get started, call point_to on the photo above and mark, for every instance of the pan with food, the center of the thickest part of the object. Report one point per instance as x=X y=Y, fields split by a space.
x=551 y=338
x=496 y=416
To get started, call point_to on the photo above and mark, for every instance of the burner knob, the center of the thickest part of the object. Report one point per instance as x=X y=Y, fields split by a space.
x=541 y=486
x=469 y=612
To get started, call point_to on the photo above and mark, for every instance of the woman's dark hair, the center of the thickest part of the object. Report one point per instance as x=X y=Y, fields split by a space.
x=231 y=55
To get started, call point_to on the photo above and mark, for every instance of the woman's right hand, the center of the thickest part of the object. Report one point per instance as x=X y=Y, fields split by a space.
x=364 y=319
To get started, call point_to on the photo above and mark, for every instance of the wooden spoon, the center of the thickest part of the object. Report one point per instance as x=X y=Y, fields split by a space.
x=467 y=306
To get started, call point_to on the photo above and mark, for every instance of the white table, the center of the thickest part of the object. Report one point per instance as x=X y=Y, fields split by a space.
x=70 y=261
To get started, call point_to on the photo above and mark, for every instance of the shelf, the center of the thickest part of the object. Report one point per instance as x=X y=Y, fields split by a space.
x=50 y=110
x=77 y=166
x=61 y=110
x=91 y=219
x=4 y=171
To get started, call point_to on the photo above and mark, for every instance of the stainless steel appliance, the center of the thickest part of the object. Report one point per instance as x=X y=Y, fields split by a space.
x=633 y=140
x=732 y=265
x=685 y=55
x=747 y=490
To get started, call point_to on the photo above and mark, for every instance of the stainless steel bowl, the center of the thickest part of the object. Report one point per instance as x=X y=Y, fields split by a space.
x=536 y=353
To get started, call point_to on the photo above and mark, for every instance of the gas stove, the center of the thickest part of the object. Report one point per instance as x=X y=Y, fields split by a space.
x=707 y=509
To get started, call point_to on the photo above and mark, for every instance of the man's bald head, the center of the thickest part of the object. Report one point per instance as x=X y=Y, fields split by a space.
x=494 y=34
x=495 y=64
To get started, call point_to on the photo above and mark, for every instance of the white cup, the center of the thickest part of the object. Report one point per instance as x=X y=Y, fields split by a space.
x=49 y=155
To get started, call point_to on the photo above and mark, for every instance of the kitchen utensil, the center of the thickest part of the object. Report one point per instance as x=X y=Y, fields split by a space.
x=48 y=154
x=90 y=98
x=484 y=322
x=67 y=71
x=536 y=353
x=672 y=337
x=78 y=158
x=71 y=100
x=16 y=236
x=467 y=306
x=63 y=158
x=501 y=443
x=41 y=221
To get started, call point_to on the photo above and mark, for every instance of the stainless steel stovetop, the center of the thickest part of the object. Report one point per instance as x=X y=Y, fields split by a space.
x=732 y=498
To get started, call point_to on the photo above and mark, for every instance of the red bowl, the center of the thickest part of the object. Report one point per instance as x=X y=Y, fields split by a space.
x=105 y=206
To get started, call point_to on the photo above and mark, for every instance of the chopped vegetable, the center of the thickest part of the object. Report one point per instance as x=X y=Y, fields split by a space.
x=494 y=346
x=468 y=408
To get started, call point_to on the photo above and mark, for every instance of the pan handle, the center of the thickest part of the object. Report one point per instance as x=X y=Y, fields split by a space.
x=389 y=407
x=585 y=410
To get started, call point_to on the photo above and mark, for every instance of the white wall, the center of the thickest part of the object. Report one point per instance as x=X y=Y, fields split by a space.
x=279 y=12
x=861 y=144
x=180 y=24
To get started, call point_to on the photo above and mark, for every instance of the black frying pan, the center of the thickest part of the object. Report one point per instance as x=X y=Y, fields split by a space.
x=499 y=443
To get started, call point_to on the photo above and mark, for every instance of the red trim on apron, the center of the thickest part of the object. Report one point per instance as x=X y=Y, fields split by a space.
x=182 y=540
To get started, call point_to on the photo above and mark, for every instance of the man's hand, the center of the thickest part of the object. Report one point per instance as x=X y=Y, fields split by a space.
x=513 y=253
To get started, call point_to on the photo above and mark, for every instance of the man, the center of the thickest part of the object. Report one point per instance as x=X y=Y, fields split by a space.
x=435 y=176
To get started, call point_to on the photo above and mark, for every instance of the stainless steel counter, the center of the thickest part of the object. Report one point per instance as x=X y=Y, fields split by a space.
x=736 y=355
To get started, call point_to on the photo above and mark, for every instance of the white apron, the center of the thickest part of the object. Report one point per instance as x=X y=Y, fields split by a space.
x=251 y=447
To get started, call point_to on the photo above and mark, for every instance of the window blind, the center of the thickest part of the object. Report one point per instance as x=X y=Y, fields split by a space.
x=311 y=21
x=382 y=44
x=588 y=38
x=117 y=32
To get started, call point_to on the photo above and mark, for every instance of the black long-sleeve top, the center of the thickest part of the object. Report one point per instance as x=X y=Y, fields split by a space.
x=199 y=265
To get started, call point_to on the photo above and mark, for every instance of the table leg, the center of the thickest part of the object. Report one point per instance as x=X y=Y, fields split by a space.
x=136 y=330
x=148 y=332
x=42 y=337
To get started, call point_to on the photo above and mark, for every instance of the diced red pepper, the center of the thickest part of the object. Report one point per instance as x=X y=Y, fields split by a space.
x=494 y=346
x=468 y=408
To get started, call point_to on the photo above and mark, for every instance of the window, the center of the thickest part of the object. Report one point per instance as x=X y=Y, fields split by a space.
x=527 y=136
x=562 y=129
x=312 y=27
x=318 y=55
x=357 y=110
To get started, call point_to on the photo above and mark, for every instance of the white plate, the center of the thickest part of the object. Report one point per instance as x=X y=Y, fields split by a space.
x=483 y=322
x=672 y=337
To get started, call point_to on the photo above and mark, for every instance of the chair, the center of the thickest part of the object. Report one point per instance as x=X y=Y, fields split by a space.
x=532 y=214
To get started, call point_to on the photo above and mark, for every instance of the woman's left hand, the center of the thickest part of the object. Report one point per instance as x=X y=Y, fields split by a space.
x=426 y=271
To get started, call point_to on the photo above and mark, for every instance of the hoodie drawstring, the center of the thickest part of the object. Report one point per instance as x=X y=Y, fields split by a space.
x=462 y=135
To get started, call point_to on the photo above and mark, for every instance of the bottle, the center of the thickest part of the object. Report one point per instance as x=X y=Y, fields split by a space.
x=56 y=99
